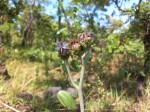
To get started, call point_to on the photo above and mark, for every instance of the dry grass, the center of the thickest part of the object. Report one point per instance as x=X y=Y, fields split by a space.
x=25 y=77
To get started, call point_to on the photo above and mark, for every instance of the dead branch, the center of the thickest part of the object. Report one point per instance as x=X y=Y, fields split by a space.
x=12 y=108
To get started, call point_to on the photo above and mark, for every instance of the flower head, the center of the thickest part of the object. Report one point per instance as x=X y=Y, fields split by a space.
x=62 y=48
x=74 y=44
x=61 y=45
x=85 y=37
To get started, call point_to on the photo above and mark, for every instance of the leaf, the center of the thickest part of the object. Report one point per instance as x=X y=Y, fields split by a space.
x=59 y=4
x=142 y=73
x=61 y=31
x=66 y=99
x=96 y=49
x=75 y=64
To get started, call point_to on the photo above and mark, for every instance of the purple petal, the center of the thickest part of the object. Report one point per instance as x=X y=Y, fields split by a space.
x=61 y=45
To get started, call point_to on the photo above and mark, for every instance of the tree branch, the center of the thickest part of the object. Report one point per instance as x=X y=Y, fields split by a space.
x=12 y=108
x=67 y=21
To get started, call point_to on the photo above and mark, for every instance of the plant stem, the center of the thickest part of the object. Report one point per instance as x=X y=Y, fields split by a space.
x=70 y=77
x=84 y=59
x=80 y=93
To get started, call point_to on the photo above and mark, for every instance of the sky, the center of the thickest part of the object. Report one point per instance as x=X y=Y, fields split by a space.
x=52 y=9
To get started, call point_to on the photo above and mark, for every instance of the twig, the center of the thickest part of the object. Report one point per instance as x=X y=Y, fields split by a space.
x=12 y=108
x=89 y=95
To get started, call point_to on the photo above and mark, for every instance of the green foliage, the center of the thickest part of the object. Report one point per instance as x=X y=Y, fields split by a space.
x=40 y=55
x=131 y=46
x=141 y=14
x=75 y=65
x=112 y=43
x=5 y=26
x=114 y=25
x=134 y=47
x=66 y=99
x=121 y=55
x=63 y=30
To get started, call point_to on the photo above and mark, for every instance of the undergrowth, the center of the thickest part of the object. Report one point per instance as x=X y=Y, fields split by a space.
x=109 y=86
x=100 y=95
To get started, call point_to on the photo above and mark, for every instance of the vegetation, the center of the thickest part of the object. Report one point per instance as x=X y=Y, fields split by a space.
x=116 y=76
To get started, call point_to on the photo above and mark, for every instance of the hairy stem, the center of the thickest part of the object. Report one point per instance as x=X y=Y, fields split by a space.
x=84 y=59
x=70 y=76
x=80 y=93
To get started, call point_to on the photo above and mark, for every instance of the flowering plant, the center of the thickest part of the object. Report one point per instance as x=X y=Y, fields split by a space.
x=63 y=49
x=74 y=46
x=81 y=47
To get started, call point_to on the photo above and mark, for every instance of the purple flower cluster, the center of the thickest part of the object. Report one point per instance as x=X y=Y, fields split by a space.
x=62 y=48
x=74 y=45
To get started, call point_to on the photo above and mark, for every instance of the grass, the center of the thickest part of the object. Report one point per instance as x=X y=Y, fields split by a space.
x=25 y=76
x=105 y=89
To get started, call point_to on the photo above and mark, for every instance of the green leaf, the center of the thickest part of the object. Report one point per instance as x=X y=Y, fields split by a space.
x=66 y=99
x=96 y=49
x=142 y=73
x=75 y=64
x=61 y=31
x=60 y=4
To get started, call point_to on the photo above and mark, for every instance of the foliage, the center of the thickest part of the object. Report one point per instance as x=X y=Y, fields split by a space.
x=80 y=47
x=118 y=57
x=66 y=99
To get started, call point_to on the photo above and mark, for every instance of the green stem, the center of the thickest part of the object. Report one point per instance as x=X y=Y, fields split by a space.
x=80 y=93
x=70 y=76
x=84 y=59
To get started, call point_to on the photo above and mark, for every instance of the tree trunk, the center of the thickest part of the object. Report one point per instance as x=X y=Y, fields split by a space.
x=29 y=23
x=146 y=68
x=3 y=71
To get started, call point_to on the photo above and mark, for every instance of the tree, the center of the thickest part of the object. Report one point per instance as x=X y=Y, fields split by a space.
x=140 y=28
x=27 y=32
x=9 y=12
x=139 y=15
